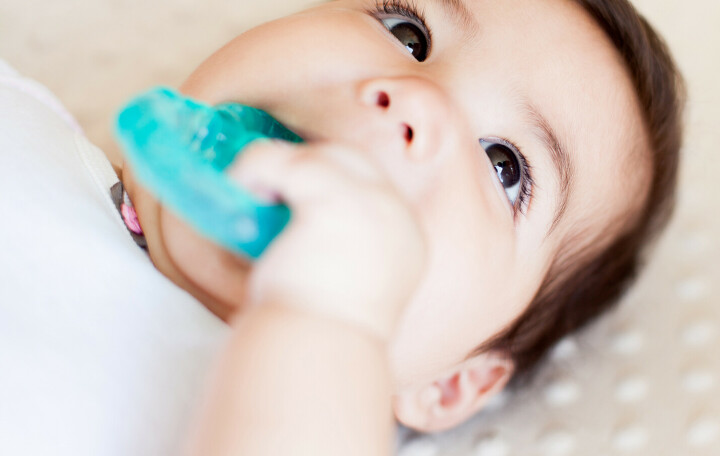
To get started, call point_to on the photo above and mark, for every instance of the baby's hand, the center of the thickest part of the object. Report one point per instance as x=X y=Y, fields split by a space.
x=353 y=250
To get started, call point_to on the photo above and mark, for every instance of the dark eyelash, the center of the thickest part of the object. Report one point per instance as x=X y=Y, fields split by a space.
x=404 y=8
x=522 y=202
x=527 y=183
x=401 y=7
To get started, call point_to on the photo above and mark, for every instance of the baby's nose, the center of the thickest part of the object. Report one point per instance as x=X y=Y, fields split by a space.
x=420 y=109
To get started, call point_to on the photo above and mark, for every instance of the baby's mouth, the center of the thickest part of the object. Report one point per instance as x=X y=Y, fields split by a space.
x=305 y=134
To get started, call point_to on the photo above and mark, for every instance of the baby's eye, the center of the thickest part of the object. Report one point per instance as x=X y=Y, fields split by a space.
x=410 y=36
x=510 y=168
x=410 y=28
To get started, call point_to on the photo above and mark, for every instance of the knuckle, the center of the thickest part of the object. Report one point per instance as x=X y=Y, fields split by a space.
x=268 y=151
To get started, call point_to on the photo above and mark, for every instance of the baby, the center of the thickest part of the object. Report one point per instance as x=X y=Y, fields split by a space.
x=479 y=179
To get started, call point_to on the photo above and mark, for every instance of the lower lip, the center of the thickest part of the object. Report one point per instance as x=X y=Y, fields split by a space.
x=303 y=134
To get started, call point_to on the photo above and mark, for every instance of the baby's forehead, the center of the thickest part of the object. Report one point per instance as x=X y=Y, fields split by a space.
x=602 y=120
x=560 y=60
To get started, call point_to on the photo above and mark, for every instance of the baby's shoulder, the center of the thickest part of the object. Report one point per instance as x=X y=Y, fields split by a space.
x=42 y=144
x=22 y=96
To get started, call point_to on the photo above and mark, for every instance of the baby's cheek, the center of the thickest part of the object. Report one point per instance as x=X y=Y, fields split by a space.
x=215 y=276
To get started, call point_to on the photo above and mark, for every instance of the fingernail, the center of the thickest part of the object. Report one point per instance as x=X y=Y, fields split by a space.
x=261 y=192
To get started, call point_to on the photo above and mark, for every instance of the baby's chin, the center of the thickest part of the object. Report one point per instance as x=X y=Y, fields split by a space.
x=214 y=276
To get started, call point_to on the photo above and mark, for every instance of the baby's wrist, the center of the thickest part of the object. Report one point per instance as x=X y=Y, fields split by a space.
x=373 y=330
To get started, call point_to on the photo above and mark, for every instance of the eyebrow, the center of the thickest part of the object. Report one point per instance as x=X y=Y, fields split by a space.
x=563 y=165
x=542 y=129
x=460 y=12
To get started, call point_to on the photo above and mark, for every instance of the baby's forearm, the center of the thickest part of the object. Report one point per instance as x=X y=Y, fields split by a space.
x=291 y=383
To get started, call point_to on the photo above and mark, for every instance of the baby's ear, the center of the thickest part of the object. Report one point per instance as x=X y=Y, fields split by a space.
x=455 y=397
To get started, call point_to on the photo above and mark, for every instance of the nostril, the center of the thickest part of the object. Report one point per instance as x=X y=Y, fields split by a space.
x=408 y=133
x=383 y=100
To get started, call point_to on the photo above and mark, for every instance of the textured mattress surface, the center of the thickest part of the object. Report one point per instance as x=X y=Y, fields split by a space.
x=642 y=381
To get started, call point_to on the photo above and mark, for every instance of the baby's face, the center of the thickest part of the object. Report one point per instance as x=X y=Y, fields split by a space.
x=512 y=131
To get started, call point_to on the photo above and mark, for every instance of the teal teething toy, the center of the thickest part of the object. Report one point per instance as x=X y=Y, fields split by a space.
x=178 y=149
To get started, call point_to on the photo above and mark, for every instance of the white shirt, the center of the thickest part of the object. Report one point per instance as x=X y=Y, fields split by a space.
x=100 y=354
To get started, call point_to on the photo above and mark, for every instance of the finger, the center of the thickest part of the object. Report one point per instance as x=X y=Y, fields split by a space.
x=299 y=174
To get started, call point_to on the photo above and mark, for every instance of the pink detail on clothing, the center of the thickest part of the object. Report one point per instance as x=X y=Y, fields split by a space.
x=131 y=219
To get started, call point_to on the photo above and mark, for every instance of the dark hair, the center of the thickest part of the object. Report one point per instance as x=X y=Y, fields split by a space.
x=569 y=298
